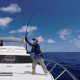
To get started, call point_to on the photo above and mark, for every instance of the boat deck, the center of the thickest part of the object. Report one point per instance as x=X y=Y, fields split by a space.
x=22 y=72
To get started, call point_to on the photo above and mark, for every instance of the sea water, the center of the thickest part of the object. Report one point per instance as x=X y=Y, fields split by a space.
x=70 y=60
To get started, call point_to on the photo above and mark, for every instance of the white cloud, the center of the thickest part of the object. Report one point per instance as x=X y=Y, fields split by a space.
x=40 y=39
x=5 y=21
x=12 y=32
x=78 y=36
x=60 y=48
x=76 y=42
x=65 y=34
x=51 y=41
x=29 y=29
x=23 y=29
x=12 y=8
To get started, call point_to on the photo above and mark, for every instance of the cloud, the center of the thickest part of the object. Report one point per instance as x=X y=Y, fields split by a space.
x=78 y=36
x=65 y=34
x=60 y=48
x=12 y=8
x=5 y=21
x=29 y=29
x=76 y=42
x=51 y=41
x=40 y=39
x=23 y=29
x=12 y=32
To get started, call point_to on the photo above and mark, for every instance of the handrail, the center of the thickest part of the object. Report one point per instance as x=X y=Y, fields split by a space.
x=64 y=70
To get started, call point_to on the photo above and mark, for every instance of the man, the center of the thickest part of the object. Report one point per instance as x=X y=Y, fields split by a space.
x=37 y=56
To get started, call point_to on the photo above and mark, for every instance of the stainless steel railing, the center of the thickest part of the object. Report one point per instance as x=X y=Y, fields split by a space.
x=62 y=72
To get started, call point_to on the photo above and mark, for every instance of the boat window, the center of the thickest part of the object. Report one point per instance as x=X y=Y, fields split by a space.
x=15 y=59
x=1 y=43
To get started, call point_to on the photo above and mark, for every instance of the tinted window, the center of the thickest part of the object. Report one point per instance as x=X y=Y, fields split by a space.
x=15 y=59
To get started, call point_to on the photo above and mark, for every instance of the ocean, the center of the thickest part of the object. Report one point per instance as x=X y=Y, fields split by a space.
x=70 y=60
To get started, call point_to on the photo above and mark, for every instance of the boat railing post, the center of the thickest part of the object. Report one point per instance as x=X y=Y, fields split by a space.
x=60 y=74
x=74 y=78
x=53 y=67
x=48 y=63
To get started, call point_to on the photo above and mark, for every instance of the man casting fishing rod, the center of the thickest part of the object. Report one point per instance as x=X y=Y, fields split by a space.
x=37 y=55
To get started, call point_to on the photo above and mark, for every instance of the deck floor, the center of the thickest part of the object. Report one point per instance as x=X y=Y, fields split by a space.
x=22 y=72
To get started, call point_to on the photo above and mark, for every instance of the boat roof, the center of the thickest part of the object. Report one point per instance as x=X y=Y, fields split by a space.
x=12 y=39
x=12 y=50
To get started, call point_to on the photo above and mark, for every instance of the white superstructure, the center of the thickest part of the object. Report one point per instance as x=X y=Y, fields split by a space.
x=12 y=50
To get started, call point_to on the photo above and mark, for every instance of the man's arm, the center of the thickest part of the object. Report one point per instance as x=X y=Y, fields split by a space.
x=28 y=42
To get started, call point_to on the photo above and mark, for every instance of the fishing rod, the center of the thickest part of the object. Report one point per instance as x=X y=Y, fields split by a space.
x=34 y=13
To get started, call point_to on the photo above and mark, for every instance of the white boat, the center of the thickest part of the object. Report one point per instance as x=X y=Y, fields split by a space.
x=16 y=64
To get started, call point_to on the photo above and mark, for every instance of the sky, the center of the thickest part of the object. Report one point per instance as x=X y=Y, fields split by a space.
x=55 y=23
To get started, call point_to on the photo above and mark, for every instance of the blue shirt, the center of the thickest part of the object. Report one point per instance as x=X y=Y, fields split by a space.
x=36 y=56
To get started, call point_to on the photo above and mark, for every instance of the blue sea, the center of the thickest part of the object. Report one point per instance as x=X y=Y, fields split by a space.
x=70 y=60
